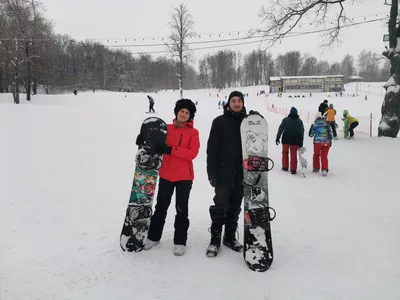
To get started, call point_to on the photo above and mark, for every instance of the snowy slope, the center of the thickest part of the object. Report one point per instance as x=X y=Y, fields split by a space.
x=66 y=165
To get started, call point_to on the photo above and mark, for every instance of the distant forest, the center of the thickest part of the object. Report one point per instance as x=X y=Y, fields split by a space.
x=33 y=57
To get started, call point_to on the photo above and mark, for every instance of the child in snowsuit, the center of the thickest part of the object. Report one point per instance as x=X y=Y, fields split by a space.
x=352 y=123
x=322 y=133
x=292 y=129
x=329 y=115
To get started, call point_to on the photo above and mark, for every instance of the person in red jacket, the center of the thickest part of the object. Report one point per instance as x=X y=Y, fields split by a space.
x=176 y=173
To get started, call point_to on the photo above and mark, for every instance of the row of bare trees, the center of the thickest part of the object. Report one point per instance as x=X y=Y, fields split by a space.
x=229 y=68
x=32 y=56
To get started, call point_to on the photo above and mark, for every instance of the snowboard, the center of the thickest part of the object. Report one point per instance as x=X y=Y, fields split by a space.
x=303 y=161
x=139 y=210
x=346 y=128
x=257 y=252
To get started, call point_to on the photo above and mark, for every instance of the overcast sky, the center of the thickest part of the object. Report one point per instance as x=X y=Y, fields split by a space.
x=128 y=19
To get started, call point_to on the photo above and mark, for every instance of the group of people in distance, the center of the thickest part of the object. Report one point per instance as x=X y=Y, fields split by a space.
x=323 y=130
x=224 y=168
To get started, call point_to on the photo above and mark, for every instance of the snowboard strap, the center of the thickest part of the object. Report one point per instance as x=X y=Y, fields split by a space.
x=256 y=164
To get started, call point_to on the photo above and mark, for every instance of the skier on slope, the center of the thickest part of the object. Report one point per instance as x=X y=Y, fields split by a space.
x=225 y=173
x=151 y=104
x=322 y=133
x=292 y=129
x=176 y=173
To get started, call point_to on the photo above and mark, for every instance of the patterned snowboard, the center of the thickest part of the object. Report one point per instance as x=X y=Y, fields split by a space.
x=139 y=210
x=258 y=252
x=346 y=128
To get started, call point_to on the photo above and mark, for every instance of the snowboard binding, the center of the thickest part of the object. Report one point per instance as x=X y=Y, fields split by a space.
x=259 y=215
x=146 y=160
x=256 y=164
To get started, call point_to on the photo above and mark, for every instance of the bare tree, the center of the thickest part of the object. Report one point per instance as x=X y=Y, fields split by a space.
x=182 y=29
x=347 y=66
x=368 y=66
x=282 y=16
x=389 y=124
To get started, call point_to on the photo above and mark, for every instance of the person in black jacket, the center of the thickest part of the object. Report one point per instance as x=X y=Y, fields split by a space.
x=225 y=173
x=292 y=129
x=323 y=107
x=151 y=104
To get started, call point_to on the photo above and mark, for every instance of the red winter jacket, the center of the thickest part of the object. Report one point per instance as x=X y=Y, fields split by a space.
x=185 y=145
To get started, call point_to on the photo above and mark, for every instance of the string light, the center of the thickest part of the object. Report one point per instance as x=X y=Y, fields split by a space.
x=200 y=36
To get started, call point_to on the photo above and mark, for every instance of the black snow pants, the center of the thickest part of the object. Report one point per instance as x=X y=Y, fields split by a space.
x=351 y=128
x=226 y=208
x=165 y=191
x=333 y=126
x=151 y=109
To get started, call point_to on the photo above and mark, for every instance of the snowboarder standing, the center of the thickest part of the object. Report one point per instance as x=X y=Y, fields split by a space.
x=352 y=123
x=322 y=133
x=323 y=107
x=225 y=173
x=151 y=104
x=330 y=118
x=176 y=173
x=292 y=132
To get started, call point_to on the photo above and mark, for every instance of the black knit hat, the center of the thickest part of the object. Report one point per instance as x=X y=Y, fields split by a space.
x=188 y=104
x=235 y=94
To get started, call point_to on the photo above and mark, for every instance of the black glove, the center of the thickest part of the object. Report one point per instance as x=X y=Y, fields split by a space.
x=213 y=181
x=140 y=140
x=254 y=112
x=277 y=142
x=162 y=148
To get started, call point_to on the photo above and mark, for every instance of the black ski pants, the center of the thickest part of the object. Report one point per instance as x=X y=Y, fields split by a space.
x=351 y=128
x=333 y=126
x=151 y=109
x=165 y=191
x=226 y=208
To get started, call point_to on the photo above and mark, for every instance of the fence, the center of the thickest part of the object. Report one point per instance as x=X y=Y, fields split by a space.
x=365 y=122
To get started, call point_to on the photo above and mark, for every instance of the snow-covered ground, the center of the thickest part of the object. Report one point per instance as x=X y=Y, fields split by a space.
x=66 y=166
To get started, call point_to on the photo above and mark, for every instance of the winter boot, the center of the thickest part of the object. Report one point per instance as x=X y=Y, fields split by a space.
x=179 y=250
x=293 y=172
x=215 y=242
x=150 y=244
x=285 y=169
x=230 y=239
x=324 y=173
x=315 y=170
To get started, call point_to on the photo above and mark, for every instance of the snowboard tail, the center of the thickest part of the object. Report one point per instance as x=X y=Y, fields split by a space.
x=258 y=252
x=139 y=209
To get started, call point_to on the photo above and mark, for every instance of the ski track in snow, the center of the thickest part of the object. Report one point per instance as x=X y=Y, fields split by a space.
x=66 y=168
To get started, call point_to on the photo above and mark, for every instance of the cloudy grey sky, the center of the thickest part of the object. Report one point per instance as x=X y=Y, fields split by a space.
x=117 y=20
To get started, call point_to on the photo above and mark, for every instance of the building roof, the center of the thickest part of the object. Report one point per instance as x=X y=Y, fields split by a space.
x=355 y=77
x=304 y=77
x=310 y=77
x=274 y=78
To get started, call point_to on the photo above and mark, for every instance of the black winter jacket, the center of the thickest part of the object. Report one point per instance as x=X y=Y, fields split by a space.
x=224 y=149
x=293 y=130
x=322 y=108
